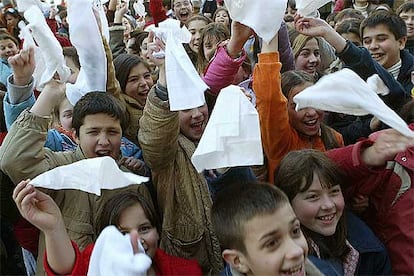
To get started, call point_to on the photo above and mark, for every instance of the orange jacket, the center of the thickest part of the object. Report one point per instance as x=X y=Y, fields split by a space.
x=278 y=136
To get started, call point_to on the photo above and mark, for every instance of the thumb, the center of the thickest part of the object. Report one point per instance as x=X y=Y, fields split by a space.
x=134 y=241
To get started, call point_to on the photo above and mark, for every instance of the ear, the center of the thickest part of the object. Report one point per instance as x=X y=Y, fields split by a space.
x=75 y=135
x=402 y=42
x=236 y=260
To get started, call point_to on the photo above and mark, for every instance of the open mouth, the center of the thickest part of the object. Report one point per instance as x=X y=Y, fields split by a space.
x=327 y=218
x=101 y=153
x=311 y=123
x=294 y=271
x=377 y=56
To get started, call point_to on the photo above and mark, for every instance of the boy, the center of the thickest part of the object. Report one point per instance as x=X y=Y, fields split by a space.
x=406 y=12
x=258 y=231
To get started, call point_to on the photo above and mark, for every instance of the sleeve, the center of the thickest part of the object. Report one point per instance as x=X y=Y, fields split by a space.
x=158 y=133
x=116 y=40
x=277 y=134
x=285 y=49
x=221 y=70
x=81 y=262
x=22 y=154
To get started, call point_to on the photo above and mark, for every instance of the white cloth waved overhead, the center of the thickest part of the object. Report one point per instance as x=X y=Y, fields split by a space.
x=345 y=92
x=185 y=86
x=139 y=8
x=309 y=8
x=48 y=52
x=263 y=16
x=232 y=135
x=83 y=18
x=88 y=175
x=113 y=255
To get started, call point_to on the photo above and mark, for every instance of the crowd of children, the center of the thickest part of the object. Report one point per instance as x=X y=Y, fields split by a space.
x=333 y=197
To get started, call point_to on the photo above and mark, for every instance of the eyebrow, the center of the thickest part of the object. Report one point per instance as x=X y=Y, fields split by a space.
x=271 y=233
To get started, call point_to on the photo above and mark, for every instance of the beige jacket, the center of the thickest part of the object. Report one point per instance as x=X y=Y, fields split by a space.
x=23 y=156
x=183 y=195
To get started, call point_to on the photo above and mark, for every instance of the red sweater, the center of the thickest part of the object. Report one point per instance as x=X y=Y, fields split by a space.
x=164 y=264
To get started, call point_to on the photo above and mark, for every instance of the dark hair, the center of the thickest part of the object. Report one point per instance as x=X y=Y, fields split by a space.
x=393 y=22
x=198 y=17
x=331 y=17
x=5 y=36
x=293 y=78
x=123 y=65
x=349 y=26
x=71 y=53
x=348 y=14
x=212 y=30
x=405 y=7
x=236 y=205
x=295 y=175
x=95 y=103
x=407 y=112
x=138 y=37
x=111 y=211
x=222 y=9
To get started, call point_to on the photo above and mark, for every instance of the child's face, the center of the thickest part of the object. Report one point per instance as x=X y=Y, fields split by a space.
x=209 y=47
x=195 y=27
x=319 y=209
x=382 y=45
x=275 y=244
x=408 y=18
x=74 y=70
x=139 y=83
x=11 y=20
x=100 y=135
x=306 y=121
x=183 y=10
x=223 y=18
x=134 y=218
x=309 y=57
x=193 y=122
x=8 y=48
x=65 y=114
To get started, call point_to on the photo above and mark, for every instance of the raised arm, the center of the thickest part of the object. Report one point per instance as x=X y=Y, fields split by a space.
x=20 y=85
x=159 y=127
x=41 y=211
x=229 y=56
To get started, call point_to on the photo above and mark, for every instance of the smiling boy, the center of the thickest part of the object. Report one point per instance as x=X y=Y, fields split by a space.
x=259 y=233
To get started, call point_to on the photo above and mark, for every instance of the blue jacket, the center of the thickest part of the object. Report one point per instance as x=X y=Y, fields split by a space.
x=373 y=257
x=5 y=71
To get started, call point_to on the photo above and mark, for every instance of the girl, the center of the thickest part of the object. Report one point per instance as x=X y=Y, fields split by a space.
x=222 y=16
x=195 y=25
x=211 y=36
x=128 y=211
x=9 y=46
x=307 y=54
x=134 y=76
x=339 y=242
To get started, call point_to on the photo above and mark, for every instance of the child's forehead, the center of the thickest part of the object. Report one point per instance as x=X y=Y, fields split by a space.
x=7 y=40
x=377 y=30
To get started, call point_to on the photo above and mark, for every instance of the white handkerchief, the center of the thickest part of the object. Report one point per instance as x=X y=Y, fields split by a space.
x=88 y=175
x=86 y=38
x=185 y=86
x=139 y=8
x=112 y=254
x=309 y=7
x=51 y=58
x=232 y=135
x=263 y=16
x=345 y=92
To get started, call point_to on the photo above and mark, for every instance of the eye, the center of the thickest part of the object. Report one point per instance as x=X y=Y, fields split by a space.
x=296 y=231
x=144 y=229
x=312 y=197
x=92 y=132
x=271 y=243
x=317 y=53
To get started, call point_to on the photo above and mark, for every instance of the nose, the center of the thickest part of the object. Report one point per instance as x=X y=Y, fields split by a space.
x=196 y=113
x=373 y=44
x=103 y=139
x=326 y=202
x=310 y=112
x=294 y=250
x=141 y=81
x=313 y=58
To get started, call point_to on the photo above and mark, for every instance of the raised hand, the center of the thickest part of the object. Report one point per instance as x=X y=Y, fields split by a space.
x=387 y=144
x=239 y=35
x=23 y=65
x=311 y=26
x=37 y=207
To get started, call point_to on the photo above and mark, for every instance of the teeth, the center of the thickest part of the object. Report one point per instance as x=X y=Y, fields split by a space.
x=103 y=152
x=330 y=217
x=294 y=269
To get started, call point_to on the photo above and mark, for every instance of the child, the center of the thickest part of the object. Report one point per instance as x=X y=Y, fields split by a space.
x=195 y=25
x=340 y=243
x=9 y=46
x=307 y=54
x=221 y=15
x=128 y=211
x=182 y=10
x=406 y=12
x=259 y=233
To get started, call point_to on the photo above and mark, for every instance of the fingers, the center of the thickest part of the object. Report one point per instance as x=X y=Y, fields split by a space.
x=23 y=195
x=19 y=187
x=133 y=235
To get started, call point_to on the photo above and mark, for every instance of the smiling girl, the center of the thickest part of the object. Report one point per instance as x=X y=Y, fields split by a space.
x=339 y=242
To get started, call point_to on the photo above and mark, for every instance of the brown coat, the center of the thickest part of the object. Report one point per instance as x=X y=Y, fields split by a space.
x=183 y=195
